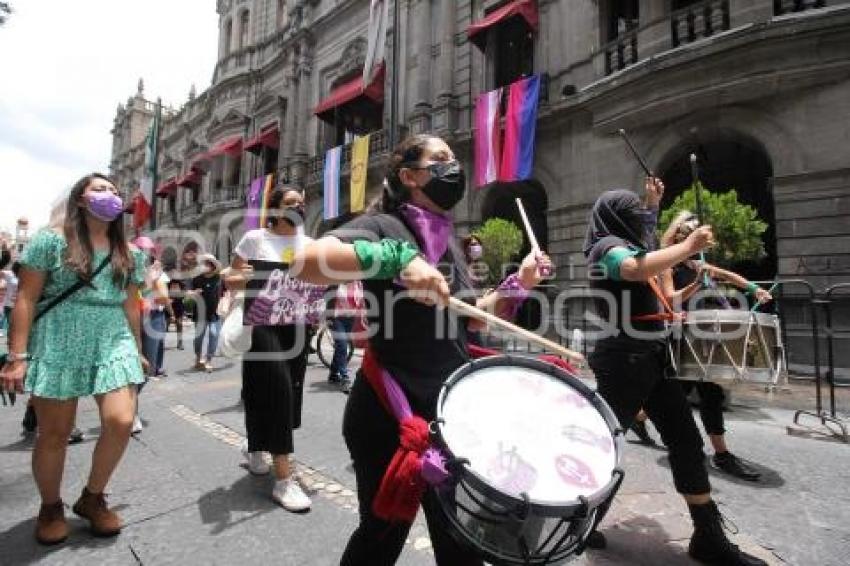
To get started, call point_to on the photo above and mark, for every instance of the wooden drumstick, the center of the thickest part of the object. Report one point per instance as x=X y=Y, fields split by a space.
x=484 y=316
x=532 y=239
x=535 y=247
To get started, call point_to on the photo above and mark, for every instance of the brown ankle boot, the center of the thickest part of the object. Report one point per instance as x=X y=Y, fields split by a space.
x=92 y=506
x=50 y=526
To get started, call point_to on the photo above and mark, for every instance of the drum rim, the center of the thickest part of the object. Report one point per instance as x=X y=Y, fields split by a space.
x=545 y=509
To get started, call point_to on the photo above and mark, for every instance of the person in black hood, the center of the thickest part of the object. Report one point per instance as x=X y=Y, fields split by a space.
x=631 y=364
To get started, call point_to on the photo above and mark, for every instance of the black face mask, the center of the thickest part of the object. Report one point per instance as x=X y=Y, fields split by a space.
x=292 y=215
x=447 y=184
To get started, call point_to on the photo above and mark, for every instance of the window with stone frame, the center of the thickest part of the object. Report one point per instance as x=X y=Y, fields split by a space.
x=269 y=157
x=228 y=37
x=244 y=28
x=356 y=118
x=621 y=17
x=281 y=17
x=513 y=51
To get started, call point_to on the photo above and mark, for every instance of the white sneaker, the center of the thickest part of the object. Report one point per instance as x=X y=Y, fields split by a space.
x=137 y=425
x=256 y=463
x=290 y=496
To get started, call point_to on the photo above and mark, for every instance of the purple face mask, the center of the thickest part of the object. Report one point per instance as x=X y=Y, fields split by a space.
x=105 y=205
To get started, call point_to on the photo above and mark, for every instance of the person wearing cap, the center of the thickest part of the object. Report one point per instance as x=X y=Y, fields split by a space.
x=207 y=291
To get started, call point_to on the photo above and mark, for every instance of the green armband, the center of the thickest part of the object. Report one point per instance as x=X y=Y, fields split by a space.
x=752 y=288
x=614 y=257
x=384 y=259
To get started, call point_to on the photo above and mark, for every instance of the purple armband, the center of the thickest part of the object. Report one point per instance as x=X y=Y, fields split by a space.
x=513 y=294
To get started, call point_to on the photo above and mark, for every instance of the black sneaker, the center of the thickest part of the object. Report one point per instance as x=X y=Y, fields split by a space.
x=639 y=428
x=30 y=422
x=734 y=466
x=76 y=437
x=596 y=540
x=346 y=385
x=334 y=378
x=709 y=544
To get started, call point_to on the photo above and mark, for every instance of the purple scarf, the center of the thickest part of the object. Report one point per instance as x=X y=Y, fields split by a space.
x=432 y=230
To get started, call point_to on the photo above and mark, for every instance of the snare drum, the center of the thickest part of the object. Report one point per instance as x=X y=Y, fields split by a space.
x=730 y=345
x=534 y=456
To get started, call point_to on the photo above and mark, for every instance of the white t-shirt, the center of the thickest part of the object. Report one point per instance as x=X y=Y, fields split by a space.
x=11 y=288
x=263 y=245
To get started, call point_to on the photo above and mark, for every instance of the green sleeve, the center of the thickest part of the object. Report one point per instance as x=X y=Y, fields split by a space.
x=613 y=259
x=43 y=252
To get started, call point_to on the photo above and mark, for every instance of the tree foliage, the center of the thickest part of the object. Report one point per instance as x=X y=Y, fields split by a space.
x=737 y=228
x=501 y=241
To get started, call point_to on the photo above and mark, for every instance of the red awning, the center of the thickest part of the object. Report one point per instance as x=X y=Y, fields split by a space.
x=267 y=137
x=192 y=179
x=526 y=9
x=200 y=164
x=167 y=188
x=228 y=146
x=352 y=92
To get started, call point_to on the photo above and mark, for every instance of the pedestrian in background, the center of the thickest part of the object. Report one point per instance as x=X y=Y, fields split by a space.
x=177 y=294
x=76 y=332
x=207 y=292
x=347 y=305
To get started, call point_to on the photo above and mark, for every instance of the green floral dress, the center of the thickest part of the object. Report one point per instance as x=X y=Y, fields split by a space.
x=84 y=345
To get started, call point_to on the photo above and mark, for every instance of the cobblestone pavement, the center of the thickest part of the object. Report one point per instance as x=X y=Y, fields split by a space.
x=187 y=499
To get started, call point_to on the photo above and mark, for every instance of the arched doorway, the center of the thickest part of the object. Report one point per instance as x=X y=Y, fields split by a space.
x=500 y=202
x=730 y=161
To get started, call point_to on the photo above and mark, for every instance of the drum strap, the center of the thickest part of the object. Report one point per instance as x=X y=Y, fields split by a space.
x=669 y=315
x=416 y=464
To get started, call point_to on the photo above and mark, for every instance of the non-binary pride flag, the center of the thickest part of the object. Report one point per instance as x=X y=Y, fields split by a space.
x=331 y=187
x=359 y=170
x=520 y=126
x=487 y=137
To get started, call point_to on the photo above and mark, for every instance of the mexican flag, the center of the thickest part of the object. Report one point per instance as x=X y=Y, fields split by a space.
x=143 y=201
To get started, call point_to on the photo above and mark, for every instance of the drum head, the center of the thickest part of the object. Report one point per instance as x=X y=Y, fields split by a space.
x=528 y=428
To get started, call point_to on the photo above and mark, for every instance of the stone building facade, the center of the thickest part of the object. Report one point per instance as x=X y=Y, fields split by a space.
x=758 y=89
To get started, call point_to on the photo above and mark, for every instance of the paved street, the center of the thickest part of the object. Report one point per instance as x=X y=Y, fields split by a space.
x=186 y=499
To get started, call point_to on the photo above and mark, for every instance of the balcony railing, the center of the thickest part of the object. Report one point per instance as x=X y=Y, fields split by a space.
x=189 y=211
x=698 y=21
x=379 y=144
x=225 y=194
x=621 y=52
x=787 y=6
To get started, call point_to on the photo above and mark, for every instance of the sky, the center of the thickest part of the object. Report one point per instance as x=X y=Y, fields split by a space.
x=64 y=67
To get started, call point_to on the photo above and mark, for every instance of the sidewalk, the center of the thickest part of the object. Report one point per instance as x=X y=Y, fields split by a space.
x=186 y=498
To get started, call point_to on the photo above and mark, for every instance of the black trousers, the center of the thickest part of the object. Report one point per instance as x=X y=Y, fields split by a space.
x=371 y=435
x=711 y=398
x=632 y=374
x=273 y=387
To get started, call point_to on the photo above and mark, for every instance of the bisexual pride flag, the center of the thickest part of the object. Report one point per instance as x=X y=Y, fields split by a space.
x=520 y=127
x=331 y=187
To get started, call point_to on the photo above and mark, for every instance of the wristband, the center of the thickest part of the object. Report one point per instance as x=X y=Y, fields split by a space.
x=384 y=259
x=22 y=357
x=513 y=294
x=752 y=288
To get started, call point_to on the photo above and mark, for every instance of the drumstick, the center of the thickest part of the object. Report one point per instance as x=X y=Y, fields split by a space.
x=637 y=155
x=535 y=247
x=484 y=316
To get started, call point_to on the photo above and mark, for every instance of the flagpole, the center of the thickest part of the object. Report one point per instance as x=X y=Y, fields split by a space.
x=394 y=82
x=157 y=117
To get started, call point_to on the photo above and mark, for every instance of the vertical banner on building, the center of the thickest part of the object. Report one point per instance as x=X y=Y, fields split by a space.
x=487 y=132
x=254 y=203
x=520 y=128
x=379 y=16
x=359 y=170
x=331 y=186
x=268 y=187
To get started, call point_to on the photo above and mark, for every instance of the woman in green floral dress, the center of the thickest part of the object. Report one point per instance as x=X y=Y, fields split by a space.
x=88 y=344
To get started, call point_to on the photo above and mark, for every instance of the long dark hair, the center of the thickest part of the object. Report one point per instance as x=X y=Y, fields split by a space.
x=79 y=254
x=395 y=193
